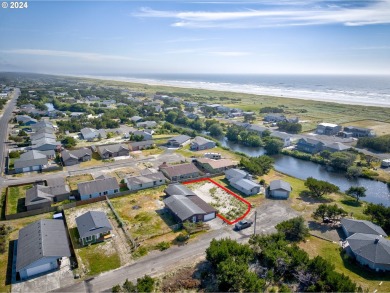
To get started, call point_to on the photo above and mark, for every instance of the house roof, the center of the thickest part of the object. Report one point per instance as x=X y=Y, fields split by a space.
x=257 y=128
x=30 y=158
x=136 y=118
x=338 y=146
x=324 y=124
x=141 y=143
x=25 y=118
x=55 y=181
x=199 y=140
x=279 y=184
x=177 y=170
x=179 y=139
x=361 y=226
x=75 y=154
x=310 y=141
x=111 y=148
x=178 y=188
x=92 y=223
x=182 y=206
x=371 y=247
x=352 y=128
x=43 y=135
x=44 y=238
x=135 y=180
x=202 y=204
x=281 y=135
x=216 y=164
x=245 y=183
x=97 y=186
x=40 y=193
x=42 y=124
x=233 y=172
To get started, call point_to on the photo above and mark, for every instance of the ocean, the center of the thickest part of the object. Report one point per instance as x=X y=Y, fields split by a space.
x=347 y=89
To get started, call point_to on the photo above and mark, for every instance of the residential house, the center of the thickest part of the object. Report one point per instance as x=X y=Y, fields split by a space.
x=200 y=143
x=179 y=141
x=328 y=129
x=237 y=173
x=275 y=117
x=141 y=145
x=359 y=131
x=93 y=227
x=185 y=205
x=242 y=181
x=45 y=144
x=180 y=172
x=214 y=156
x=309 y=145
x=190 y=104
x=42 y=124
x=25 y=120
x=145 y=134
x=108 y=102
x=30 y=161
x=91 y=133
x=352 y=226
x=70 y=158
x=145 y=181
x=112 y=150
x=40 y=248
x=336 y=147
x=99 y=187
x=190 y=115
x=286 y=138
x=214 y=166
x=147 y=124
x=279 y=189
x=40 y=196
x=136 y=119
x=256 y=128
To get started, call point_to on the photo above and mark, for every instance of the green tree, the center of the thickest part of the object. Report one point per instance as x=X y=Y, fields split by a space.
x=69 y=142
x=342 y=160
x=294 y=229
x=129 y=287
x=273 y=146
x=171 y=117
x=330 y=211
x=319 y=188
x=116 y=289
x=354 y=172
x=257 y=165
x=356 y=192
x=145 y=284
x=215 y=130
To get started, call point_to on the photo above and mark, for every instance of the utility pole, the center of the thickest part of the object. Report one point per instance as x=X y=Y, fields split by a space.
x=254 y=229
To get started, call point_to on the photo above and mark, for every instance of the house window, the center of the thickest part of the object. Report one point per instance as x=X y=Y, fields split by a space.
x=90 y=196
x=105 y=193
x=116 y=190
x=140 y=185
x=88 y=238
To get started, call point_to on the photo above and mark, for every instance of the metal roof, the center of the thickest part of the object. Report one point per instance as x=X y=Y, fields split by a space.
x=133 y=180
x=245 y=183
x=179 y=139
x=44 y=238
x=233 y=172
x=92 y=223
x=182 y=206
x=361 y=226
x=217 y=164
x=279 y=184
x=97 y=186
x=178 y=188
x=371 y=247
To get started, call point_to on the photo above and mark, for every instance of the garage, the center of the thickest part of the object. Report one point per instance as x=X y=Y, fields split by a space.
x=209 y=217
x=38 y=269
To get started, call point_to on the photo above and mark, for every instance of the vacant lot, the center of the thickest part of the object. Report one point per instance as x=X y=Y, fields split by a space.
x=367 y=279
x=16 y=199
x=95 y=161
x=104 y=256
x=381 y=128
x=74 y=180
x=143 y=214
x=227 y=205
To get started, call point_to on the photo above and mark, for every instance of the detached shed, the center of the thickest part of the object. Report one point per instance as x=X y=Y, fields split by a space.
x=279 y=189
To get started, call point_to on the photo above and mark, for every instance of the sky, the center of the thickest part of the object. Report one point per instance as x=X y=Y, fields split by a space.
x=197 y=36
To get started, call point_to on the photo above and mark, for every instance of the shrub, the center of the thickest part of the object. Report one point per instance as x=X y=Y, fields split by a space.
x=163 y=245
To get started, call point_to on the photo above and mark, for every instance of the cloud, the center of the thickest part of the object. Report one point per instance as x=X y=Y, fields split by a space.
x=319 y=13
x=68 y=54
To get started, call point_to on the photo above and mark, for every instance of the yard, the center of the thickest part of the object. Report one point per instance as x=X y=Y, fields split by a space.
x=16 y=199
x=227 y=205
x=95 y=161
x=104 y=256
x=381 y=128
x=74 y=180
x=368 y=280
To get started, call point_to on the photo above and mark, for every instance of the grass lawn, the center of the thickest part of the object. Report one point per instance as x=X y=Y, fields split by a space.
x=367 y=279
x=15 y=200
x=74 y=180
x=380 y=128
x=154 y=151
x=95 y=161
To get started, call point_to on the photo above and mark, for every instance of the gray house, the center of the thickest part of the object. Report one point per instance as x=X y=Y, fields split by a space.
x=179 y=141
x=41 y=196
x=74 y=157
x=236 y=173
x=351 y=226
x=328 y=129
x=145 y=181
x=285 y=137
x=180 y=172
x=200 y=143
x=370 y=250
x=91 y=133
x=112 y=150
x=40 y=248
x=141 y=145
x=145 y=134
x=309 y=145
x=147 y=124
x=99 y=187
x=185 y=205
x=93 y=227
x=242 y=181
x=30 y=161
x=25 y=120
x=359 y=131
x=336 y=147
x=279 y=189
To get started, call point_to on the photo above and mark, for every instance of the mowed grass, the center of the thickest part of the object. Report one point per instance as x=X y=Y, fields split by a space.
x=380 y=128
x=367 y=279
x=74 y=180
x=15 y=200
x=95 y=161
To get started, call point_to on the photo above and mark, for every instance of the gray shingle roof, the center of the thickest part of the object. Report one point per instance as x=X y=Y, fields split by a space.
x=178 y=188
x=281 y=135
x=111 y=148
x=361 y=226
x=92 y=223
x=97 y=186
x=311 y=141
x=182 y=206
x=245 y=183
x=141 y=143
x=373 y=248
x=44 y=238
x=134 y=180
x=182 y=169
x=179 y=139
x=280 y=184
x=199 y=140
x=233 y=172
x=75 y=154
x=338 y=146
x=39 y=193
x=30 y=158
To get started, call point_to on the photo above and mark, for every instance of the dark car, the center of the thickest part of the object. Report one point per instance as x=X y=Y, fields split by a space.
x=243 y=225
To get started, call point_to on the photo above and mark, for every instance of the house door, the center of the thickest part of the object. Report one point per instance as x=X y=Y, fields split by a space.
x=194 y=219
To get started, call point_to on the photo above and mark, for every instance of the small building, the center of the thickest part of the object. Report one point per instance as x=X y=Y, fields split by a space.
x=99 y=187
x=237 y=173
x=200 y=143
x=359 y=131
x=40 y=196
x=370 y=250
x=93 y=227
x=136 y=119
x=328 y=129
x=286 y=138
x=179 y=141
x=257 y=128
x=242 y=181
x=91 y=133
x=309 y=145
x=25 y=120
x=40 y=248
x=112 y=150
x=146 y=135
x=279 y=189
x=145 y=181
x=147 y=124
x=180 y=172
x=275 y=117
x=214 y=156
x=141 y=145
x=185 y=205
x=70 y=158
x=214 y=166
x=30 y=161
x=352 y=226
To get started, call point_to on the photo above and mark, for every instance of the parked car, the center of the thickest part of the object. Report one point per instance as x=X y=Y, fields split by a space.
x=243 y=225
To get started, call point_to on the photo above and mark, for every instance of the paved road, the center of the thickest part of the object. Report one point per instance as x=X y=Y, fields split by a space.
x=10 y=106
